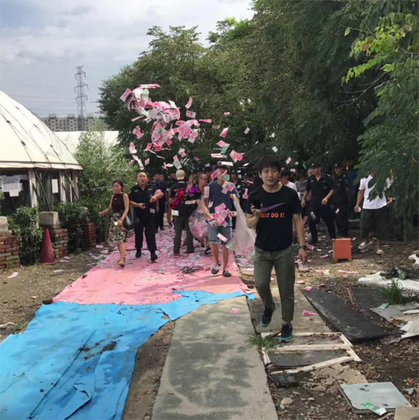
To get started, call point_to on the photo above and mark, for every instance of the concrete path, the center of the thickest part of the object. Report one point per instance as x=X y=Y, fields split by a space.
x=211 y=372
x=301 y=323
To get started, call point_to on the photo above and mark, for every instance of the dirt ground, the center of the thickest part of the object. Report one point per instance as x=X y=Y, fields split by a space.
x=381 y=362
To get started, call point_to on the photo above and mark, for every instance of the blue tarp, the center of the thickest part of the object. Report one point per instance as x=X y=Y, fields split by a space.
x=75 y=361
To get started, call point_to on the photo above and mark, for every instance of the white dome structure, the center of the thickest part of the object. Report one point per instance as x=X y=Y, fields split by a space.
x=26 y=142
x=36 y=167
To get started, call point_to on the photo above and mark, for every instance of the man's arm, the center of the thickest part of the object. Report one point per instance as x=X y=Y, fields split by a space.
x=359 y=198
x=299 y=227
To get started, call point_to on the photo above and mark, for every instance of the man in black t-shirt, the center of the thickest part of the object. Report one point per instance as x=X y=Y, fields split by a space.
x=143 y=197
x=181 y=210
x=272 y=208
x=322 y=188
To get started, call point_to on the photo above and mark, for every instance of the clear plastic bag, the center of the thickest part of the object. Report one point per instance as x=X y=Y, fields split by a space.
x=244 y=238
x=198 y=224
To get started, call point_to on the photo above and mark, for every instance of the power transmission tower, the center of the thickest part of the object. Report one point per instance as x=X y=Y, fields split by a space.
x=81 y=97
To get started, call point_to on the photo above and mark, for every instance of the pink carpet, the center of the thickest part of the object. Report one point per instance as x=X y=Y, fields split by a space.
x=143 y=282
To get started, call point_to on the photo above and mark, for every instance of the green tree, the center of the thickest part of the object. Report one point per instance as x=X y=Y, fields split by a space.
x=390 y=142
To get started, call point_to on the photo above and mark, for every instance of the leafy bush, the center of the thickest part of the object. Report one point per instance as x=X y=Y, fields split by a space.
x=73 y=217
x=102 y=223
x=24 y=225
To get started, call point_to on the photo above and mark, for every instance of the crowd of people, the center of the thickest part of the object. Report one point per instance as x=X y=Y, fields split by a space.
x=278 y=203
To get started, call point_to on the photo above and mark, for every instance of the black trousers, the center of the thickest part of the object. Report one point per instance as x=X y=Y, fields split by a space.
x=182 y=222
x=160 y=215
x=147 y=225
x=342 y=217
x=326 y=214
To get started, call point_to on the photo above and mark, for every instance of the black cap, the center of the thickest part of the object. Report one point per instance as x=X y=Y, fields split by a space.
x=338 y=165
x=284 y=173
x=315 y=165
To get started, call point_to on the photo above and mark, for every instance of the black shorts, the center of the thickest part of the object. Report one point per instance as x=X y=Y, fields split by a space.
x=373 y=220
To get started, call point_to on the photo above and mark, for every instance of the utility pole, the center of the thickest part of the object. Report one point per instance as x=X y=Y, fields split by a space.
x=81 y=97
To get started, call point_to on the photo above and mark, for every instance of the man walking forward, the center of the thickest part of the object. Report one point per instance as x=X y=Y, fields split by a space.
x=272 y=208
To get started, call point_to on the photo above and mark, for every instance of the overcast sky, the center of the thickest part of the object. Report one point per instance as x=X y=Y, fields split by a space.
x=42 y=42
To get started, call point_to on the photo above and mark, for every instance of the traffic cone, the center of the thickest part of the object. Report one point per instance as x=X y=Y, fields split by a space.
x=47 y=253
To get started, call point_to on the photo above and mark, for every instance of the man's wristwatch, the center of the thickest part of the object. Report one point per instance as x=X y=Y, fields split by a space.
x=303 y=247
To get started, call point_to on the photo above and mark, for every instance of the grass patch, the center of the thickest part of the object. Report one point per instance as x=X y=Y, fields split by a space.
x=260 y=342
x=19 y=327
x=393 y=293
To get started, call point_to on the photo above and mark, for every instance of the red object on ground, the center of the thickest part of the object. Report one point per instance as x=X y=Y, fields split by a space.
x=342 y=249
x=47 y=253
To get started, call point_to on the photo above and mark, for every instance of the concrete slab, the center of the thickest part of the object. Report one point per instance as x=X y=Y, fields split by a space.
x=301 y=323
x=211 y=372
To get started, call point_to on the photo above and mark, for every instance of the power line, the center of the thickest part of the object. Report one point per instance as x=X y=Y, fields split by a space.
x=81 y=96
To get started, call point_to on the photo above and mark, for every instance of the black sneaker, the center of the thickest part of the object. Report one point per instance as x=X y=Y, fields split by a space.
x=138 y=254
x=176 y=253
x=226 y=273
x=207 y=250
x=153 y=256
x=215 y=270
x=267 y=316
x=286 y=333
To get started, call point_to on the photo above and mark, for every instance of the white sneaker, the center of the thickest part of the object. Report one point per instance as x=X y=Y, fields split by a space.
x=380 y=252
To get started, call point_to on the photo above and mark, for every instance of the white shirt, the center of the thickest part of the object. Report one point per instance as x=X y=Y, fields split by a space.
x=379 y=201
x=291 y=185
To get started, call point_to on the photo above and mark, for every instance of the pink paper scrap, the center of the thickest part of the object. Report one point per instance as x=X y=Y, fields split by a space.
x=137 y=132
x=196 y=159
x=125 y=95
x=132 y=148
x=224 y=133
x=308 y=288
x=222 y=143
x=191 y=114
x=222 y=238
x=206 y=121
x=234 y=311
x=226 y=113
x=206 y=192
x=189 y=104
x=288 y=161
x=146 y=162
x=13 y=275
x=301 y=282
x=323 y=256
x=247 y=130
x=148 y=147
x=216 y=127
x=308 y=313
x=227 y=163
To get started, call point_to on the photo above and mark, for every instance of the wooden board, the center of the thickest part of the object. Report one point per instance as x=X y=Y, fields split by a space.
x=353 y=325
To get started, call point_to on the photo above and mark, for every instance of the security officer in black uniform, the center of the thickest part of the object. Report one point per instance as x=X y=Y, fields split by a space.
x=322 y=188
x=143 y=197
x=341 y=199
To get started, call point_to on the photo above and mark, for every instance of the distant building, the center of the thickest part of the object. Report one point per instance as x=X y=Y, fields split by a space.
x=70 y=123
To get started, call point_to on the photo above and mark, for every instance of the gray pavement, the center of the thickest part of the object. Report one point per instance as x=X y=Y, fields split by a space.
x=211 y=372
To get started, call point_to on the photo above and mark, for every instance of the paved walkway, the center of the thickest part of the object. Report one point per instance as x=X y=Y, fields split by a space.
x=211 y=372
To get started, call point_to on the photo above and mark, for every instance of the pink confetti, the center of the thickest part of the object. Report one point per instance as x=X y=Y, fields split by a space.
x=247 y=130
x=189 y=104
x=308 y=313
x=224 y=133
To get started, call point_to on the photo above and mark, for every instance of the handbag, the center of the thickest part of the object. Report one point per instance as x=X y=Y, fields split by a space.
x=130 y=219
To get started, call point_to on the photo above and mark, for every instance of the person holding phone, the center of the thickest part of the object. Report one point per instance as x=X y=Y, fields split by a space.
x=271 y=209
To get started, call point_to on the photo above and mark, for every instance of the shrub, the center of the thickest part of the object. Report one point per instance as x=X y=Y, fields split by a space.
x=102 y=223
x=73 y=217
x=24 y=225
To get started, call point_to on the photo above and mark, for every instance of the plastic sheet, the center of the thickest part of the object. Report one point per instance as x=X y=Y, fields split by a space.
x=198 y=224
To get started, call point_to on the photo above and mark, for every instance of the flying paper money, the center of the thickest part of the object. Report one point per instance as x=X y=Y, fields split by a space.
x=226 y=113
x=137 y=132
x=247 y=130
x=275 y=149
x=193 y=136
x=236 y=156
x=189 y=104
x=227 y=163
x=206 y=121
x=191 y=114
x=216 y=127
x=224 y=133
x=146 y=162
x=288 y=161
x=222 y=143
x=132 y=148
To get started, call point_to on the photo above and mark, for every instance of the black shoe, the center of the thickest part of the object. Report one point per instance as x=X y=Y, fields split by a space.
x=153 y=256
x=311 y=242
x=215 y=270
x=286 y=333
x=138 y=254
x=267 y=316
x=190 y=252
x=176 y=253
x=207 y=250
x=226 y=273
